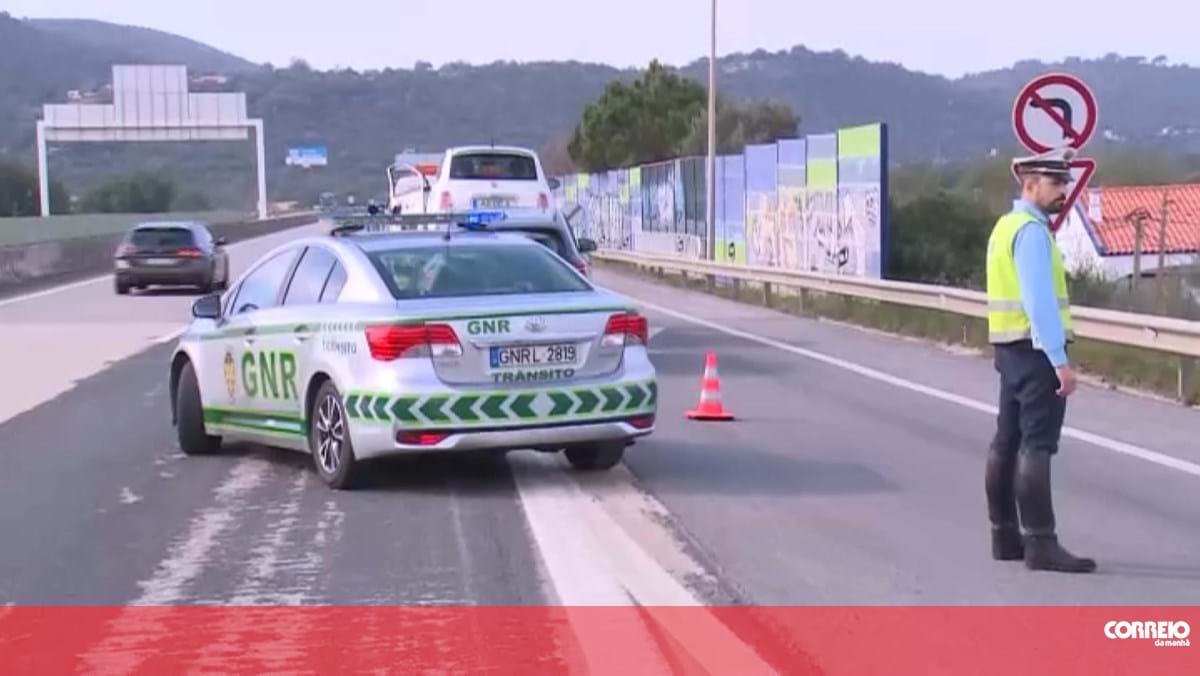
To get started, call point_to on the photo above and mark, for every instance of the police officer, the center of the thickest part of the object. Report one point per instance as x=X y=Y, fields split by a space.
x=1029 y=324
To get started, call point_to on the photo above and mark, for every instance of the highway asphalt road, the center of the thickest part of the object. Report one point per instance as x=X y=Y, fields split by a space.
x=854 y=475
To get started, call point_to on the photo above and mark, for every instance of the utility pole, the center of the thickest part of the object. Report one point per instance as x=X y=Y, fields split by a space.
x=1138 y=218
x=1160 y=274
x=711 y=173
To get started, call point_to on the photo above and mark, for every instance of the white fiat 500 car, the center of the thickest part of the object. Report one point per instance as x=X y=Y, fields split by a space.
x=365 y=344
x=474 y=177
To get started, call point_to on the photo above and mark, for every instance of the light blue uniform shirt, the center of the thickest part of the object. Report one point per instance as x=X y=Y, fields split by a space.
x=1034 y=273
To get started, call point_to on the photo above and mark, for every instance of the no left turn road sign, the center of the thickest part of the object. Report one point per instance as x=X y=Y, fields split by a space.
x=1053 y=111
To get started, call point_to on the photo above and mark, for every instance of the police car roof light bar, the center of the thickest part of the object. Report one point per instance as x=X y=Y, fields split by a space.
x=388 y=223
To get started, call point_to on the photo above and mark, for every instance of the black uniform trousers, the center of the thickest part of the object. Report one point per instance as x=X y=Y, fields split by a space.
x=1028 y=428
x=1031 y=411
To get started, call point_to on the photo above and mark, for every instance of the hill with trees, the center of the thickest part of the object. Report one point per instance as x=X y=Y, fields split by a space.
x=364 y=118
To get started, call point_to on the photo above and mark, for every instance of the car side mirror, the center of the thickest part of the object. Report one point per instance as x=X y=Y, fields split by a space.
x=586 y=245
x=207 y=307
x=553 y=183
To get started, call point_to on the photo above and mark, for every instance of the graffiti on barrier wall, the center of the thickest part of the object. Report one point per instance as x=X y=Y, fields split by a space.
x=858 y=226
x=826 y=250
x=791 y=227
x=771 y=229
x=812 y=204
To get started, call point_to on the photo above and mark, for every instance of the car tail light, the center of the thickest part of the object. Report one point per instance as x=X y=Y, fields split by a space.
x=394 y=341
x=421 y=438
x=624 y=329
x=126 y=250
x=446 y=202
x=543 y=201
x=581 y=266
x=189 y=253
x=643 y=422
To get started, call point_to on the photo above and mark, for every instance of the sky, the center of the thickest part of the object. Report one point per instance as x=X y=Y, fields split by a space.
x=944 y=37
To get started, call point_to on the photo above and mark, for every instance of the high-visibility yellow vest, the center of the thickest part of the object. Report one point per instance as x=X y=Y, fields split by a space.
x=1007 y=320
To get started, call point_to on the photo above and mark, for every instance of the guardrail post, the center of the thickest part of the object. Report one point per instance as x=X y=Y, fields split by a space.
x=766 y=294
x=711 y=281
x=1189 y=380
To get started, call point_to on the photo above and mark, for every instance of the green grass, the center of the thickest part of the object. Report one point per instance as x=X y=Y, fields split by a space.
x=27 y=230
x=1131 y=367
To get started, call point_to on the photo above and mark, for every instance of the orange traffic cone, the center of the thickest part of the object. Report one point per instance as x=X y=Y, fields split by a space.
x=710 y=407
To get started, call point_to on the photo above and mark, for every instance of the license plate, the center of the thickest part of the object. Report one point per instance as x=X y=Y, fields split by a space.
x=565 y=354
x=491 y=202
x=160 y=261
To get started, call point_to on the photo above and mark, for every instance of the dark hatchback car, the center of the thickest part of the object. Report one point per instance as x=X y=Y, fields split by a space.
x=171 y=254
x=553 y=232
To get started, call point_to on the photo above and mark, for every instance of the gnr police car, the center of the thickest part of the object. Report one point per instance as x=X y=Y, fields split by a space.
x=374 y=342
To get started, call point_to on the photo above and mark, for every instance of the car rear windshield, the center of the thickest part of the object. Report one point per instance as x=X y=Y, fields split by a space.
x=493 y=166
x=162 y=237
x=474 y=270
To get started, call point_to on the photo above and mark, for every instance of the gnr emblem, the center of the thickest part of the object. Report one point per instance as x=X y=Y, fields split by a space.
x=230 y=374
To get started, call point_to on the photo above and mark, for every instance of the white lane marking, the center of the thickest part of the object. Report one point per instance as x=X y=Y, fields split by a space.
x=593 y=561
x=559 y=521
x=187 y=557
x=130 y=637
x=1113 y=445
x=128 y=497
x=54 y=290
x=558 y=517
x=256 y=588
x=169 y=336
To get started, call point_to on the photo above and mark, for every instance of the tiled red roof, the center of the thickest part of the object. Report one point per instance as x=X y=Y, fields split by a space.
x=1117 y=235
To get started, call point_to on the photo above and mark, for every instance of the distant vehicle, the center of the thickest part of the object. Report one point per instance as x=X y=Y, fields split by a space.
x=171 y=253
x=439 y=337
x=473 y=177
x=550 y=229
x=328 y=201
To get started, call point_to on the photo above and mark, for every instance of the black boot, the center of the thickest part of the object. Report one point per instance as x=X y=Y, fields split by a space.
x=1002 y=507
x=1007 y=544
x=1042 y=550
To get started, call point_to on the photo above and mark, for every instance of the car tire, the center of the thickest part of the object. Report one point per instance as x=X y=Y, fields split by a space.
x=194 y=439
x=121 y=289
x=598 y=456
x=332 y=451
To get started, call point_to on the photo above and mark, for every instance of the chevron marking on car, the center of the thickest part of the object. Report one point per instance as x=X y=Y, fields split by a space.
x=502 y=408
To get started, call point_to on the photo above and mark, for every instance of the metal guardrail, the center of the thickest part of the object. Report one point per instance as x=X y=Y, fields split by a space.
x=1151 y=332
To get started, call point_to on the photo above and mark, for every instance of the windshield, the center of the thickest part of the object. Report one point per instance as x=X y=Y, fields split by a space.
x=493 y=166
x=474 y=270
x=161 y=237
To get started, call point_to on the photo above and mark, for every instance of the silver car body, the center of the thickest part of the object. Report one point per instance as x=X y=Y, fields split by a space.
x=258 y=369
